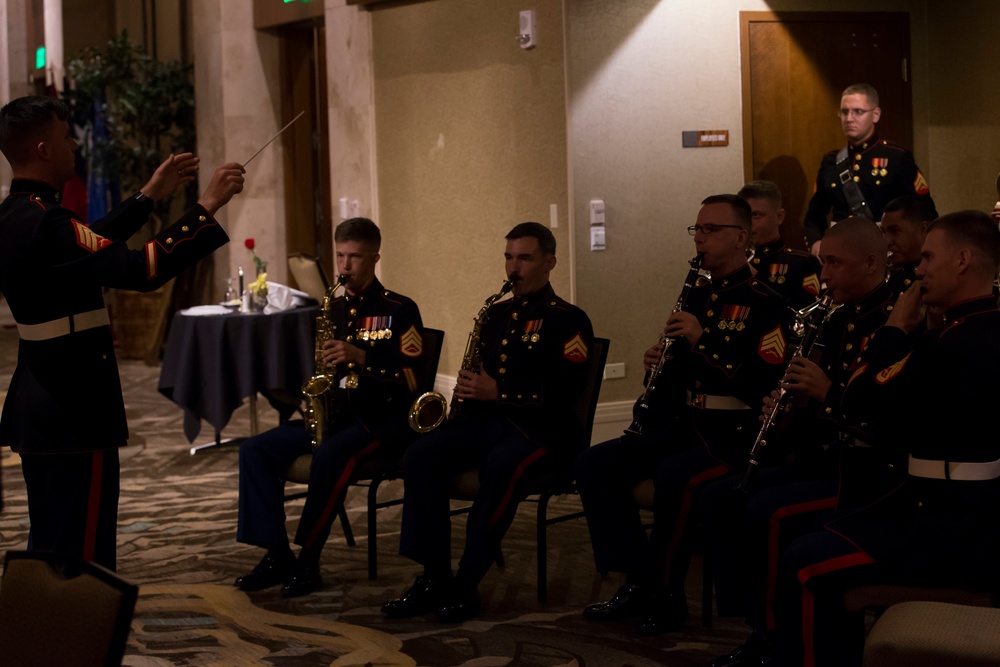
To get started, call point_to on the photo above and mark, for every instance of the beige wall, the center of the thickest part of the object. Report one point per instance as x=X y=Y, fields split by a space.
x=471 y=140
x=964 y=132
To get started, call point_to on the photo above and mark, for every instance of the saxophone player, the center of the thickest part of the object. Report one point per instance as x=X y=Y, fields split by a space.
x=515 y=423
x=832 y=466
x=376 y=347
x=729 y=351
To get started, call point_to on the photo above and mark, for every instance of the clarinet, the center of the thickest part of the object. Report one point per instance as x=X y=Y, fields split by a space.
x=642 y=405
x=809 y=323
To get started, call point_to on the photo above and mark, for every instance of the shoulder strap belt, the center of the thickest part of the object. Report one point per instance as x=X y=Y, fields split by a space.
x=855 y=198
x=64 y=325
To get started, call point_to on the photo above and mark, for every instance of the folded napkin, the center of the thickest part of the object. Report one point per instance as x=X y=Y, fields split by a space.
x=207 y=310
x=282 y=297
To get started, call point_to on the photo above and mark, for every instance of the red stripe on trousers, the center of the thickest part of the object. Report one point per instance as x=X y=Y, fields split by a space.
x=682 y=516
x=331 y=502
x=809 y=600
x=93 y=505
x=774 y=545
x=518 y=473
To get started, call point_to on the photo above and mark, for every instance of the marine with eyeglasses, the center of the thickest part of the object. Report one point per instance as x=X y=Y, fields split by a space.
x=881 y=169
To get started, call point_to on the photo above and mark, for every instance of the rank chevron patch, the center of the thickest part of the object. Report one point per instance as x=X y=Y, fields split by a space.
x=920 y=184
x=87 y=238
x=811 y=284
x=772 y=346
x=575 y=349
x=411 y=343
x=887 y=374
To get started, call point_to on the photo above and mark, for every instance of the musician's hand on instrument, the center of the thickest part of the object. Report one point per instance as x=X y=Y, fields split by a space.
x=651 y=357
x=769 y=402
x=806 y=377
x=476 y=387
x=684 y=324
x=908 y=312
x=341 y=352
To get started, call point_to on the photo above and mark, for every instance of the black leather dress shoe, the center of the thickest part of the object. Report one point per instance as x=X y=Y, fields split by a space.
x=460 y=609
x=756 y=651
x=424 y=596
x=305 y=580
x=270 y=571
x=630 y=600
x=667 y=612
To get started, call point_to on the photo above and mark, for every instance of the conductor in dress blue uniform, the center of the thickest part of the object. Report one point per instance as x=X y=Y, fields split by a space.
x=932 y=398
x=874 y=169
x=792 y=273
x=516 y=422
x=373 y=352
x=64 y=414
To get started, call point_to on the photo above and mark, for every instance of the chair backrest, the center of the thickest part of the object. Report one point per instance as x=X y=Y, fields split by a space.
x=310 y=277
x=586 y=405
x=60 y=610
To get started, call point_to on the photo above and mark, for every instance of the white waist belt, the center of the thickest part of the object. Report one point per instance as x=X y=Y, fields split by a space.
x=957 y=470
x=709 y=402
x=64 y=325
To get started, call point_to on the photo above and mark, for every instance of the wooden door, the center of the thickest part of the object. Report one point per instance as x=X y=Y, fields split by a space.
x=795 y=66
x=308 y=208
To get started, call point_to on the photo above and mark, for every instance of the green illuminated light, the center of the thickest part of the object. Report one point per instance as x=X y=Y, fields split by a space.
x=40 y=57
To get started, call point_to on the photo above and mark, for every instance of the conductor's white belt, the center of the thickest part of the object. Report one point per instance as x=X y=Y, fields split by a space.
x=64 y=325
x=709 y=402
x=957 y=470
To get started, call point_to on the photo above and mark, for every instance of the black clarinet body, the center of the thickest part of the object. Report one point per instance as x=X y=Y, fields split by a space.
x=642 y=406
x=810 y=320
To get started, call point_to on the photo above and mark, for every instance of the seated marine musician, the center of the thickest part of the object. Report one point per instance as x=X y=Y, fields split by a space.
x=727 y=342
x=373 y=349
x=515 y=420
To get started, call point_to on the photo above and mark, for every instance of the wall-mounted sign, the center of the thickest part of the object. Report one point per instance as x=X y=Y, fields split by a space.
x=699 y=138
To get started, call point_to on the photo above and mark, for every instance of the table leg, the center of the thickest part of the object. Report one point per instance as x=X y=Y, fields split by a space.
x=253 y=414
x=220 y=441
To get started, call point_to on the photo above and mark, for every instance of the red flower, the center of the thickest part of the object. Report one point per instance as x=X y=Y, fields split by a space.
x=249 y=244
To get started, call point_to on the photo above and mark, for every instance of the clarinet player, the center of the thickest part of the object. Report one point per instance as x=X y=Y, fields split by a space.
x=729 y=349
x=375 y=350
x=832 y=467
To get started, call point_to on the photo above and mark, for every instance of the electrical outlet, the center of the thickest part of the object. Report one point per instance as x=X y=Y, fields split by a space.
x=614 y=371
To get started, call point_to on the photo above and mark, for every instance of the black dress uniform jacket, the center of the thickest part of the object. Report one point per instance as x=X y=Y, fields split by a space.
x=741 y=354
x=387 y=326
x=934 y=398
x=536 y=348
x=792 y=273
x=65 y=395
x=883 y=170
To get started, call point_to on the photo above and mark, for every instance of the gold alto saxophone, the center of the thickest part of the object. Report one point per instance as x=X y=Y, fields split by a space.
x=809 y=323
x=319 y=391
x=472 y=361
x=428 y=411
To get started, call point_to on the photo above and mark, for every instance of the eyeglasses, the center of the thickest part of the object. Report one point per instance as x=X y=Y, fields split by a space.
x=853 y=113
x=709 y=228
